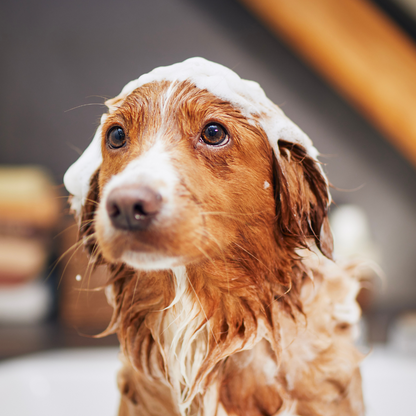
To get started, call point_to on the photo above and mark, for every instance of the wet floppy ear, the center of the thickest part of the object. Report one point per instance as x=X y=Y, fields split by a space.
x=302 y=199
x=87 y=214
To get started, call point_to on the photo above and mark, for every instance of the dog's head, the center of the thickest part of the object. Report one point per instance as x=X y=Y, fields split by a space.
x=187 y=159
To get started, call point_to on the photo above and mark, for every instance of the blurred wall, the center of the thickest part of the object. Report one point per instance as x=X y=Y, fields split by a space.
x=60 y=60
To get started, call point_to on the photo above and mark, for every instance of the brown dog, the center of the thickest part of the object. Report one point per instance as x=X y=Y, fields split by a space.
x=210 y=208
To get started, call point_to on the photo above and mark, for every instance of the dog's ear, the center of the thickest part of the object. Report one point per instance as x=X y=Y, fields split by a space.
x=87 y=214
x=302 y=199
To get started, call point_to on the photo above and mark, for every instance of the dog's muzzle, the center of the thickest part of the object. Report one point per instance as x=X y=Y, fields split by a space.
x=133 y=208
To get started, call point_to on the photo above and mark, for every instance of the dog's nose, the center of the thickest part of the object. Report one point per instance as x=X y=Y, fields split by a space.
x=133 y=208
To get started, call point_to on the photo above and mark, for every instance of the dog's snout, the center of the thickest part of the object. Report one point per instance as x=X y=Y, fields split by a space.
x=133 y=208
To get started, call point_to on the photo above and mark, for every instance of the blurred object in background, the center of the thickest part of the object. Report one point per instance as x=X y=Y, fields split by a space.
x=402 y=333
x=29 y=210
x=354 y=244
x=360 y=51
x=83 y=304
x=352 y=235
x=408 y=5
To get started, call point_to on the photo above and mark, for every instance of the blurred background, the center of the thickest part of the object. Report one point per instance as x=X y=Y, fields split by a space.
x=344 y=71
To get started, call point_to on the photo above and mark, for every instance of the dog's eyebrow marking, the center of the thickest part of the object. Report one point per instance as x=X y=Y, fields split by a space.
x=165 y=98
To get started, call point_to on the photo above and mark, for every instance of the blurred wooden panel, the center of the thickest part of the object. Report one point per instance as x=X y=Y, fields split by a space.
x=360 y=51
x=28 y=197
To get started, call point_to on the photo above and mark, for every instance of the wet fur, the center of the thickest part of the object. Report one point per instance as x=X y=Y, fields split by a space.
x=247 y=324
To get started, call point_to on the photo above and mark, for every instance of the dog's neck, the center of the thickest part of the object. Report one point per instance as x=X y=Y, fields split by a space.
x=193 y=346
x=179 y=326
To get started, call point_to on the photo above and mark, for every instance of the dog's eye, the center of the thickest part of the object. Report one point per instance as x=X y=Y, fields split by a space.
x=214 y=134
x=116 y=137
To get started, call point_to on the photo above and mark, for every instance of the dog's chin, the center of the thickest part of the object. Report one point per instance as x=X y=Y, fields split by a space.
x=150 y=261
x=141 y=255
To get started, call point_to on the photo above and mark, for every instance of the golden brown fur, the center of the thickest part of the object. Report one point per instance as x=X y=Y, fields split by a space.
x=246 y=322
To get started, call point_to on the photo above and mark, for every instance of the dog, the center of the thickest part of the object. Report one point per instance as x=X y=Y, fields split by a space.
x=210 y=209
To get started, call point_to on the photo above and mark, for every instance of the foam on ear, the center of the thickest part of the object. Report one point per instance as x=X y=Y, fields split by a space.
x=245 y=95
x=77 y=177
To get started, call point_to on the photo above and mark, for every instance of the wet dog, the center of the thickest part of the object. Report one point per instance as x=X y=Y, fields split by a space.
x=210 y=209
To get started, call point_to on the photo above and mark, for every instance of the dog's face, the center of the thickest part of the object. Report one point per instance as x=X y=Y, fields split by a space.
x=182 y=173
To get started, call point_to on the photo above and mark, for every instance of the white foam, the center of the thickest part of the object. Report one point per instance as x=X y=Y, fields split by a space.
x=246 y=95
x=77 y=177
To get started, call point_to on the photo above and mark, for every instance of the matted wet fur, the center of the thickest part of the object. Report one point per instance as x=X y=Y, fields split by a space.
x=249 y=318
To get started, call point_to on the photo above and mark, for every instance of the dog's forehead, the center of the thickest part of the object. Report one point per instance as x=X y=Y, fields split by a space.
x=225 y=84
x=165 y=100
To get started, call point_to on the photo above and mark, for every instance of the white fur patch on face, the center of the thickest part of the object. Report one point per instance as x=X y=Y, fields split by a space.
x=149 y=261
x=245 y=95
x=266 y=185
x=153 y=169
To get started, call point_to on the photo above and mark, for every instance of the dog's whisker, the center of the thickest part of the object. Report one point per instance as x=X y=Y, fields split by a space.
x=134 y=294
x=92 y=201
x=55 y=264
x=83 y=105
x=204 y=253
x=232 y=214
x=206 y=233
x=88 y=271
x=252 y=255
x=92 y=260
x=78 y=245
x=65 y=230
